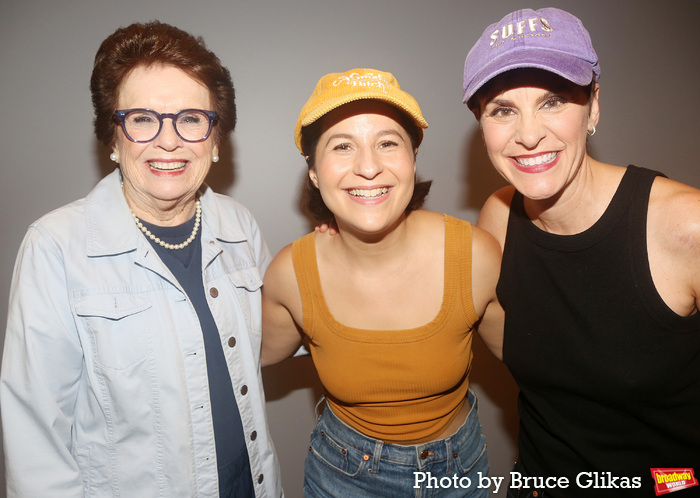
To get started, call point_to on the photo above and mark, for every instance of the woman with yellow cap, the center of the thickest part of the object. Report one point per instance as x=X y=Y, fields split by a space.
x=388 y=305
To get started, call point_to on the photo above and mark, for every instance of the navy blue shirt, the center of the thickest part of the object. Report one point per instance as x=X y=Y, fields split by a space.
x=231 y=453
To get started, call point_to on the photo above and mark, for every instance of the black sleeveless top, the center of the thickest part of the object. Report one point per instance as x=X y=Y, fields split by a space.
x=609 y=375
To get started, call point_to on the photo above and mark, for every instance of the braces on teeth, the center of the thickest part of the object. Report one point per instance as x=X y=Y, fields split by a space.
x=368 y=194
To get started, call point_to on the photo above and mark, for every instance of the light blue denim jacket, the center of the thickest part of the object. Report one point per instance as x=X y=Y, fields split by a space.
x=104 y=380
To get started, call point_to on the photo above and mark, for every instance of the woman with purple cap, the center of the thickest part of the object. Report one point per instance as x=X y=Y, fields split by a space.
x=600 y=279
x=388 y=305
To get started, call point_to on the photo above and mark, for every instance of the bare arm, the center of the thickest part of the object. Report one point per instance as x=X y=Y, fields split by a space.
x=281 y=307
x=673 y=241
x=486 y=266
x=493 y=220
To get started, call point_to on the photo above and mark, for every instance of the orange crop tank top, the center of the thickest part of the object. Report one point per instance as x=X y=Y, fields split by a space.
x=398 y=386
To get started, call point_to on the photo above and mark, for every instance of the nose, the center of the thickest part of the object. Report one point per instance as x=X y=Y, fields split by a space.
x=367 y=165
x=167 y=139
x=530 y=131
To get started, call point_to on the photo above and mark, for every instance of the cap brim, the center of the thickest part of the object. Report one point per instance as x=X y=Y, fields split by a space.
x=327 y=107
x=572 y=68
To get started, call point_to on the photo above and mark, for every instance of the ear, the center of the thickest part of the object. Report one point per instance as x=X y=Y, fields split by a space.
x=594 y=113
x=313 y=177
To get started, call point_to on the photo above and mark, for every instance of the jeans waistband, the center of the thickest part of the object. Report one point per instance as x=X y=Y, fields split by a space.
x=417 y=455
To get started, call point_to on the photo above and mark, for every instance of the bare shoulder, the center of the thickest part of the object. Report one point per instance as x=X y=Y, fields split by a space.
x=486 y=265
x=674 y=214
x=280 y=280
x=427 y=225
x=427 y=218
x=485 y=247
x=494 y=214
x=673 y=242
x=281 y=309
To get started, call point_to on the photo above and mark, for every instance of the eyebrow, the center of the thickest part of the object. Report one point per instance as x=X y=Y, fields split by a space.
x=547 y=95
x=391 y=131
x=337 y=136
x=499 y=102
x=347 y=136
x=508 y=103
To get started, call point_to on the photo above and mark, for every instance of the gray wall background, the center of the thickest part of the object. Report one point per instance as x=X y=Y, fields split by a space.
x=276 y=51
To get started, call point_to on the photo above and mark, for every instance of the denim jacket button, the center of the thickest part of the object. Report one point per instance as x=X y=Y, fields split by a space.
x=213 y=292
x=253 y=435
x=244 y=390
x=231 y=342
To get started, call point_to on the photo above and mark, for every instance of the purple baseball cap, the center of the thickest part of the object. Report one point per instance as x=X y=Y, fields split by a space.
x=549 y=39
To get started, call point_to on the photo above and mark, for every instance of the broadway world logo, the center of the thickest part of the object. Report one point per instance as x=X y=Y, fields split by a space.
x=670 y=480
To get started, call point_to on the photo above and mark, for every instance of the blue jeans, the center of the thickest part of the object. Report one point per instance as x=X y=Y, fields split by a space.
x=342 y=462
x=527 y=492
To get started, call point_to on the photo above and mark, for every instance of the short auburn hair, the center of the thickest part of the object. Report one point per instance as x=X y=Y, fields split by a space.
x=151 y=44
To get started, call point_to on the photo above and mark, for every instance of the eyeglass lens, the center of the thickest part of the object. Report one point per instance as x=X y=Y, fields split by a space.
x=144 y=126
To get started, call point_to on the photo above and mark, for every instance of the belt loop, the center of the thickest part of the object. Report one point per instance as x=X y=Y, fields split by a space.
x=318 y=415
x=450 y=457
x=376 y=457
x=475 y=405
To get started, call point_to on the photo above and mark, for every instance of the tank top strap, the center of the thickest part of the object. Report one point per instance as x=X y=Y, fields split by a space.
x=306 y=270
x=641 y=179
x=458 y=265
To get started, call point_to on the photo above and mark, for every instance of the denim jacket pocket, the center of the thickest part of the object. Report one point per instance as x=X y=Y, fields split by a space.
x=247 y=283
x=248 y=279
x=119 y=326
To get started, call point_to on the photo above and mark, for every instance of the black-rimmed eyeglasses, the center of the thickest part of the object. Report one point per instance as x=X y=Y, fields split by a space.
x=144 y=125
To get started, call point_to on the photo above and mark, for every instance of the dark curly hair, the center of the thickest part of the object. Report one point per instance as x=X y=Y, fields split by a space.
x=152 y=44
x=310 y=136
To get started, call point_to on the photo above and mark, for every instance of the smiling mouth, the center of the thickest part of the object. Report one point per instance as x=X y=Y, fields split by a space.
x=167 y=166
x=529 y=162
x=368 y=193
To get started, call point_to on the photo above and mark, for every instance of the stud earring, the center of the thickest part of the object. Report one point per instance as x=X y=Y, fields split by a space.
x=113 y=156
x=591 y=132
x=215 y=158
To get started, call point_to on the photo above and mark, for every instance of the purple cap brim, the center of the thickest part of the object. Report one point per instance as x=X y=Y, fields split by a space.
x=569 y=67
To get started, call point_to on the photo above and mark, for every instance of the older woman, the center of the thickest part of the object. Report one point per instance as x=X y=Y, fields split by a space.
x=389 y=304
x=131 y=364
x=600 y=278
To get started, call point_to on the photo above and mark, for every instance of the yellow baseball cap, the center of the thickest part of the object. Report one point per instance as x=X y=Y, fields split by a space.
x=336 y=89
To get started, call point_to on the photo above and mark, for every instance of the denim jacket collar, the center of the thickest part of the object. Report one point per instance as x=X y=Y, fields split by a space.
x=111 y=229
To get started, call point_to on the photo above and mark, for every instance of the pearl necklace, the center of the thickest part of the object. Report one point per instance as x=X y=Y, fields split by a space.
x=150 y=235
